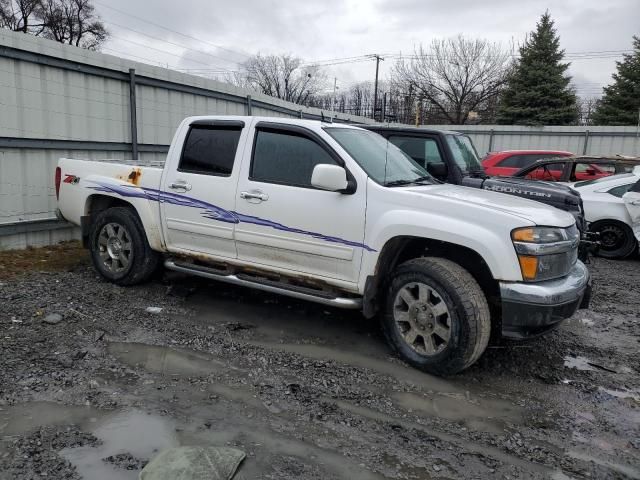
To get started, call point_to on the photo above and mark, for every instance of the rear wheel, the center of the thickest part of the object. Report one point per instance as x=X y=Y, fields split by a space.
x=616 y=239
x=119 y=248
x=437 y=317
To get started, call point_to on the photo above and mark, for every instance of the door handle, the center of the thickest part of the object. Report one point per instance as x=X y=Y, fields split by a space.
x=256 y=195
x=180 y=185
x=635 y=202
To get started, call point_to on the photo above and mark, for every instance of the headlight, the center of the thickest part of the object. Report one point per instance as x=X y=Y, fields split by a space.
x=545 y=253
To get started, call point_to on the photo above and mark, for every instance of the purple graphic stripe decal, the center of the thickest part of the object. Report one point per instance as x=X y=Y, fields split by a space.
x=214 y=212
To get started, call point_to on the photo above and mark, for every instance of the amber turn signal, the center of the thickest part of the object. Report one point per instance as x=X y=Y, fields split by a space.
x=529 y=266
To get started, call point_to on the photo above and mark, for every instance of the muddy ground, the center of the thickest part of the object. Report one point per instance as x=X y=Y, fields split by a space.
x=93 y=385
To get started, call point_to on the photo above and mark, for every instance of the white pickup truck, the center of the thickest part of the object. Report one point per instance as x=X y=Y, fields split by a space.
x=337 y=215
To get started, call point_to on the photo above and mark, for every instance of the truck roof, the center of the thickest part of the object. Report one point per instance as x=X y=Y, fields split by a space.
x=407 y=129
x=289 y=121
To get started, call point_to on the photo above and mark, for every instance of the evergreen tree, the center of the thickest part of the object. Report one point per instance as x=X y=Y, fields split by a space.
x=538 y=91
x=620 y=104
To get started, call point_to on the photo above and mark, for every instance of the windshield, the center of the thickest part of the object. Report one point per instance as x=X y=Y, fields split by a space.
x=383 y=161
x=464 y=153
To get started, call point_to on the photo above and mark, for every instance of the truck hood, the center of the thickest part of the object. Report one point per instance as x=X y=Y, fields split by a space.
x=548 y=191
x=535 y=212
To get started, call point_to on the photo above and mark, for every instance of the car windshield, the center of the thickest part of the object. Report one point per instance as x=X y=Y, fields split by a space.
x=385 y=163
x=464 y=153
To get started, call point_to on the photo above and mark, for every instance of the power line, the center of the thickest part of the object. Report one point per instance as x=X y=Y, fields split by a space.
x=138 y=58
x=166 y=52
x=172 y=43
x=237 y=52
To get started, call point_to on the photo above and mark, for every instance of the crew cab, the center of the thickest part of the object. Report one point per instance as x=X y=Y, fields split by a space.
x=336 y=215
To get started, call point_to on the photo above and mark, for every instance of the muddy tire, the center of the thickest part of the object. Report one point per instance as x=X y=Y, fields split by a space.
x=119 y=248
x=616 y=239
x=437 y=317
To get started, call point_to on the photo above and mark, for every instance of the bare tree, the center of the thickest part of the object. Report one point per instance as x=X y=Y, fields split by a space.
x=587 y=108
x=19 y=16
x=74 y=22
x=281 y=76
x=457 y=76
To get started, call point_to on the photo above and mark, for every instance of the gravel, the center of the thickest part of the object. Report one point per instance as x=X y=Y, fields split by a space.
x=307 y=392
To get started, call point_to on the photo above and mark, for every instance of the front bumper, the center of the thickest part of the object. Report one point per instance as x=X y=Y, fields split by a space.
x=530 y=309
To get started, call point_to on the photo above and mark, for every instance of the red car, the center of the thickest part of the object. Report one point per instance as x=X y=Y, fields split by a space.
x=510 y=161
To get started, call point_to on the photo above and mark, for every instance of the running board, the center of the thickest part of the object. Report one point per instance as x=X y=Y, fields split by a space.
x=300 y=293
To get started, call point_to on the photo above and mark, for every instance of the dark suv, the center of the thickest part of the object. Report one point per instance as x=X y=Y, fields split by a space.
x=451 y=157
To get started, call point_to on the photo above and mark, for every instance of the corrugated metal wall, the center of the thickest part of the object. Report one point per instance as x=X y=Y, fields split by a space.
x=52 y=93
x=582 y=140
x=57 y=100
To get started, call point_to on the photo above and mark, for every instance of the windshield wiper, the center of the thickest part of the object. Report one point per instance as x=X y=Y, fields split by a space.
x=417 y=181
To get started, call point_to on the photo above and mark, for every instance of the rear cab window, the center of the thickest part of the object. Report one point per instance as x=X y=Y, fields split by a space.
x=210 y=150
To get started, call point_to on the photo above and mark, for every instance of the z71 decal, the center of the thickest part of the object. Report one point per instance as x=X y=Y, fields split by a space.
x=213 y=212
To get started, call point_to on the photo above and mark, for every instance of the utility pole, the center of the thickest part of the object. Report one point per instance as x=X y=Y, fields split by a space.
x=333 y=98
x=638 y=134
x=375 y=88
x=384 y=106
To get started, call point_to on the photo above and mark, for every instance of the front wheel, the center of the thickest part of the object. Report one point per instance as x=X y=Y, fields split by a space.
x=616 y=239
x=119 y=248
x=437 y=317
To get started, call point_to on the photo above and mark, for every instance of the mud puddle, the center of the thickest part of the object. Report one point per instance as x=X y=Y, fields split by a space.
x=165 y=360
x=266 y=448
x=394 y=368
x=134 y=433
x=27 y=417
x=476 y=413
x=578 y=363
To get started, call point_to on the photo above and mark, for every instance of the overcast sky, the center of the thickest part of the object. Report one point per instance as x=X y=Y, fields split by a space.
x=216 y=35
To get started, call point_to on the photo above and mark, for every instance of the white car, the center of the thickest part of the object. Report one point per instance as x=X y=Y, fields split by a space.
x=632 y=202
x=611 y=215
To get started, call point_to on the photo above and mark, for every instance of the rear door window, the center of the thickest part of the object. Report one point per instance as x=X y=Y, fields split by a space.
x=210 y=150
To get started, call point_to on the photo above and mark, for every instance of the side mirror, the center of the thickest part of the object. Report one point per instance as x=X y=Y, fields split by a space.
x=329 y=177
x=591 y=171
x=438 y=170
